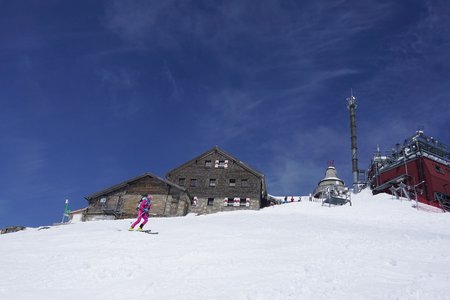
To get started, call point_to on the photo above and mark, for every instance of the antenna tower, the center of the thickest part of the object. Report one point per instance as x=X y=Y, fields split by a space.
x=351 y=105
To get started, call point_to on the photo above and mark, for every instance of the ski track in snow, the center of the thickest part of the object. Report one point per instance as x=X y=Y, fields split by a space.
x=378 y=248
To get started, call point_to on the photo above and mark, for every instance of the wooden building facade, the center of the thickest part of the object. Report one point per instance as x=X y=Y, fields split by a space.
x=217 y=181
x=120 y=201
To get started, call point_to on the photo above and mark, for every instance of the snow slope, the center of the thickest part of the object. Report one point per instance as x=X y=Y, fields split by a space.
x=378 y=248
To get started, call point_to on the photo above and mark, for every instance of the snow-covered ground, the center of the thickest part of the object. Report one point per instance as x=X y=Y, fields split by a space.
x=378 y=248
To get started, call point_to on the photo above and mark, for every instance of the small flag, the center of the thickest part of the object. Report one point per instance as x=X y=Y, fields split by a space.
x=66 y=211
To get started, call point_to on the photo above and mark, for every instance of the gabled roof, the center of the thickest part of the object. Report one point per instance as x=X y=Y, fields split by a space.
x=220 y=151
x=125 y=183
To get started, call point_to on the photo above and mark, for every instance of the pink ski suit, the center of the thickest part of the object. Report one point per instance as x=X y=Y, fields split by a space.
x=144 y=209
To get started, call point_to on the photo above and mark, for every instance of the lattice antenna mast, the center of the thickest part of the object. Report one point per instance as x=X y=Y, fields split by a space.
x=351 y=105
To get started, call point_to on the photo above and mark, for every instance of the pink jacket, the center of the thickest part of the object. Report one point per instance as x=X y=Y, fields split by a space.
x=145 y=205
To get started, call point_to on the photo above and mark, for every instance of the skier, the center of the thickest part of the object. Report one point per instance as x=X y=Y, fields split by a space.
x=143 y=209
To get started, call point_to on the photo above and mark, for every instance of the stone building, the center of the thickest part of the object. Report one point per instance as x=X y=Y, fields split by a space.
x=217 y=181
x=120 y=201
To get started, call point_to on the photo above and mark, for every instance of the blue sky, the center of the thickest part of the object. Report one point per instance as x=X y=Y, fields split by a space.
x=93 y=93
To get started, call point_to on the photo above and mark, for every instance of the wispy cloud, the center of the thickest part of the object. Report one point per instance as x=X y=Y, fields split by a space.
x=254 y=40
x=285 y=59
x=228 y=114
x=299 y=163
x=121 y=86
x=417 y=65
x=139 y=22
x=29 y=157
x=23 y=163
x=218 y=24
x=175 y=94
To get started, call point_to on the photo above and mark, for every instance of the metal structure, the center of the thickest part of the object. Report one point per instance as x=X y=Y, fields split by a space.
x=330 y=184
x=351 y=105
x=334 y=196
x=418 y=170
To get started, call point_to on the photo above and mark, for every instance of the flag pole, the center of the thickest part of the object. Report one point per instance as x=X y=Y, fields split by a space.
x=66 y=211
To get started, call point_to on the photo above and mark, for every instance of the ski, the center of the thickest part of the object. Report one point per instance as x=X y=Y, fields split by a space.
x=149 y=232
x=144 y=231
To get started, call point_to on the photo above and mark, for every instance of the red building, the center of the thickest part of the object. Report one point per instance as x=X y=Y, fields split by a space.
x=418 y=169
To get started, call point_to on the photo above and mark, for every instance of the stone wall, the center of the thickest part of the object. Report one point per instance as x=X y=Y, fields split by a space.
x=215 y=176
x=168 y=200
x=202 y=206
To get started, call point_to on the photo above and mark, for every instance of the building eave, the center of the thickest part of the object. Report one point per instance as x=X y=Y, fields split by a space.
x=127 y=182
x=218 y=150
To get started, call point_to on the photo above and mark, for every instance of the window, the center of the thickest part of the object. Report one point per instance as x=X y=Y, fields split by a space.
x=236 y=202
x=102 y=202
x=193 y=182
x=221 y=164
x=210 y=201
x=212 y=182
x=208 y=163
x=181 y=181
x=232 y=182
x=231 y=202
x=439 y=169
x=244 y=182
